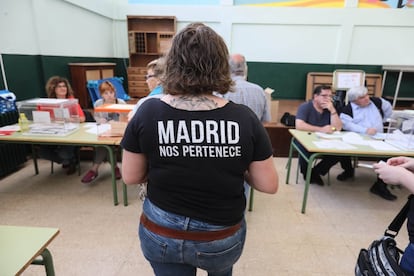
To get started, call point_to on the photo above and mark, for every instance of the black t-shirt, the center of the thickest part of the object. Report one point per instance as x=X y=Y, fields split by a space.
x=197 y=159
x=310 y=115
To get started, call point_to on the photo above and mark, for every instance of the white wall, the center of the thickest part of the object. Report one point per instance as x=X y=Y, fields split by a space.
x=54 y=27
x=298 y=35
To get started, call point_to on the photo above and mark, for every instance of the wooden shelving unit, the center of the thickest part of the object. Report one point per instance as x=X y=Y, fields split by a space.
x=149 y=37
x=373 y=83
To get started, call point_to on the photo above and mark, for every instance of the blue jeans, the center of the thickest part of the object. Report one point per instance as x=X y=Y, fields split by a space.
x=407 y=260
x=182 y=257
x=246 y=190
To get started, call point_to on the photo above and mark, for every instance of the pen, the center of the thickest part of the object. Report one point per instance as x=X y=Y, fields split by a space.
x=369 y=166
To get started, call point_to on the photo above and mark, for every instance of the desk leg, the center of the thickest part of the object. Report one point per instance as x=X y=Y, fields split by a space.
x=47 y=261
x=112 y=159
x=307 y=182
x=251 y=199
x=125 y=193
x=35 y=158
x=289 y=163
x=124 y=187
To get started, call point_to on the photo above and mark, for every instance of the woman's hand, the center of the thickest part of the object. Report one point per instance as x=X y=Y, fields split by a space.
x=101 y=121
x=390 y=174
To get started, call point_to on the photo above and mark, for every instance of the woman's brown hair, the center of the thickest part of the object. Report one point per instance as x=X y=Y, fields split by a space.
x=197 y=63
x=53 y=82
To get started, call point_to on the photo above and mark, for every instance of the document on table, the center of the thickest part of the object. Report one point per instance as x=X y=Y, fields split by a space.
x=357 y=139
x=93 y=128
x=8 y=130
x=55 y=129
x=335 y=135
x=333 y=144
x=381 y=145
x=354 y=138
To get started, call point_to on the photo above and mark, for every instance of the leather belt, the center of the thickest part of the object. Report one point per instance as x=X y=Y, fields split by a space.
x=188 y=235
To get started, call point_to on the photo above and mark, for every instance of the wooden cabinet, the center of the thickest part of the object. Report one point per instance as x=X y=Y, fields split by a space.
x=149 y=37
x=82 y=72
x=280 y=138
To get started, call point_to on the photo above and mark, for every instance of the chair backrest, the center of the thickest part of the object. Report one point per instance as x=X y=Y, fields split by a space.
x=93 y=90
x=88 y=116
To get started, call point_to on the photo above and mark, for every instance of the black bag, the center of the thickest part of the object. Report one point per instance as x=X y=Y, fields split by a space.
x=288 y=119
x=383 y=256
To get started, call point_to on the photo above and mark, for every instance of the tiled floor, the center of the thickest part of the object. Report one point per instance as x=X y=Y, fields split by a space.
x=98 y=238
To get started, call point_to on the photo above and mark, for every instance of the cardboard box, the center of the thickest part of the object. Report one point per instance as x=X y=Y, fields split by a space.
x=115 y=118
x=274 y=111
x=273 y=105
x=112 y=129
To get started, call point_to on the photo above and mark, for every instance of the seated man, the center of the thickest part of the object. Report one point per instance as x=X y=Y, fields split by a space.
x=367 y=115
x=319 y=114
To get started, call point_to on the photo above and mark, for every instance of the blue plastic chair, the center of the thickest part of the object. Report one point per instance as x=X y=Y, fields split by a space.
x=93 y=85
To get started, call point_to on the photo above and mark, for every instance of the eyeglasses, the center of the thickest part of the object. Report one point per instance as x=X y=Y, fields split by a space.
x=149 y=76
x=325 y=96
x=61 y=85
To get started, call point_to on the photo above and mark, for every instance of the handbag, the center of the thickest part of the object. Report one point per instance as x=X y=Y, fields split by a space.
x=288 y=119
x=383 y=256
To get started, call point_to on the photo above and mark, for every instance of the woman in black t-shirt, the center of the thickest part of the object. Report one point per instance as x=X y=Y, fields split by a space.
x=195 y=150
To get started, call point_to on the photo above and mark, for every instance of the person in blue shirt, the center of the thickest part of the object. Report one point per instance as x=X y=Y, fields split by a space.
x=366 y=115
x=155 y=69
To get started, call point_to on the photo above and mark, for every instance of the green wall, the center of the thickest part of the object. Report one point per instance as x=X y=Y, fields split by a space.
x=289 y=79
x=27 y=74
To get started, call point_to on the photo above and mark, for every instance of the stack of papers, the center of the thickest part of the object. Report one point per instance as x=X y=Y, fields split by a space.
x=334 y=135
x=8 y=130
x=52 y=129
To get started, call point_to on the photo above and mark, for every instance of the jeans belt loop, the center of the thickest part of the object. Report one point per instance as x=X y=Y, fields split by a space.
x=188 y=235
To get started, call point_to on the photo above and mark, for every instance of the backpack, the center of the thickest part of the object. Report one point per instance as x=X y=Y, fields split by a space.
x=382 y=256
x=288 y=119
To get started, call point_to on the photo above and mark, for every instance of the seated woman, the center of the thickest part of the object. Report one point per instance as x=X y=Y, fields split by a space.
x=108 y=94
x=60 y=88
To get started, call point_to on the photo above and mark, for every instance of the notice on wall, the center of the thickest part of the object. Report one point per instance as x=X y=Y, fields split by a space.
x=346 y=80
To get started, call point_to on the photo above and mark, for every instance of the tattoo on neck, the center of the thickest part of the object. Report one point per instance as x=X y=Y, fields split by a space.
x=193 y=102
